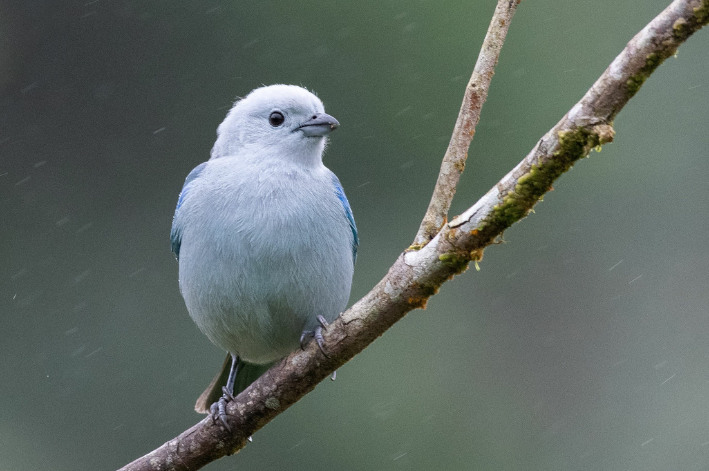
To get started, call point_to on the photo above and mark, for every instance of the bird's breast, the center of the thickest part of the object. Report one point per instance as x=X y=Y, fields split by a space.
x=262 y=256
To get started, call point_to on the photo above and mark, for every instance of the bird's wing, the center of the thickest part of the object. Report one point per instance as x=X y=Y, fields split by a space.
x=348 y=213
x=176 y=232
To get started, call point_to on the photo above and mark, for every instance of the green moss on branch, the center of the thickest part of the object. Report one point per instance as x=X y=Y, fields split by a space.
x=652 y=62
x=574 y=144
x=456 y=261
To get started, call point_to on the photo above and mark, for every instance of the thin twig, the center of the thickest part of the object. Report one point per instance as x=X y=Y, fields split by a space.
x=475 y=95
x=417 y=274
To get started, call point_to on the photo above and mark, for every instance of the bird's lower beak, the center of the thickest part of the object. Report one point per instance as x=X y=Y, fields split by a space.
x=319 y=125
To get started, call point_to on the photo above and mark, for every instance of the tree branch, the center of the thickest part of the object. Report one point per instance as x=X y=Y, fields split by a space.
x=475 y=95
x=417 y=274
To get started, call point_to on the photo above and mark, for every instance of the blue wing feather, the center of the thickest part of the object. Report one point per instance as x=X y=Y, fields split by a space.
x=176 y=231
x=348 y=213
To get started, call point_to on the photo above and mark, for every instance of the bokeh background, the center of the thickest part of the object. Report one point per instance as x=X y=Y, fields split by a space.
x=581 y=344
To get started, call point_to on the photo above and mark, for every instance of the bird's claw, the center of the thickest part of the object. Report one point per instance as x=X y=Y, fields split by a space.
x=320 y=341
x=317 y=335
x=218 y=409
x=222 y=412
x=303 y=336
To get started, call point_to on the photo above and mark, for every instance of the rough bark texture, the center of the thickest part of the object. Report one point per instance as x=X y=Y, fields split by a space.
x=417 y=274
x=475 y=95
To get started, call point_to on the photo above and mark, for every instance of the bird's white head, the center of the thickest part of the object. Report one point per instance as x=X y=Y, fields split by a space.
x=278 y=121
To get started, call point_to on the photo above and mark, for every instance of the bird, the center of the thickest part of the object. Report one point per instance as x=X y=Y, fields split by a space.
x=264 y=237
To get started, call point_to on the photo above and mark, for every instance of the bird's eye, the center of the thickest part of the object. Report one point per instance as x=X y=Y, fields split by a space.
x=276 y=119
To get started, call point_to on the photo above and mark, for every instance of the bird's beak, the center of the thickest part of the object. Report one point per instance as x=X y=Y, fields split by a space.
x=319 y=125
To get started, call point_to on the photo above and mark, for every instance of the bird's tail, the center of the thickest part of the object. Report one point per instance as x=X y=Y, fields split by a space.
x=247 y=374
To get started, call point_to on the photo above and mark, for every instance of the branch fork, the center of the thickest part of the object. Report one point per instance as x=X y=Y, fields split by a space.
x=443 y=249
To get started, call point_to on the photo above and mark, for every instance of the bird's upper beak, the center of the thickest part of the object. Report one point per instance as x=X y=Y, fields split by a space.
x=319 y=125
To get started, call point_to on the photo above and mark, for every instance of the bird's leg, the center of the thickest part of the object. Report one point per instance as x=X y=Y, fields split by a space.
x=218 y=409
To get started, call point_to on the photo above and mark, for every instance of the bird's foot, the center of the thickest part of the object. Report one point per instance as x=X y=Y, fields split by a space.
x=218 y=409
x=317 y=335
x=305 y=335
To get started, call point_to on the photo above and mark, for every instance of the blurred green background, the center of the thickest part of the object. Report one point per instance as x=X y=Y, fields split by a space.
x=581 y=344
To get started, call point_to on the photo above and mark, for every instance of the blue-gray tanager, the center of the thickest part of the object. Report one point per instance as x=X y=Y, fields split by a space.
x=264 y=236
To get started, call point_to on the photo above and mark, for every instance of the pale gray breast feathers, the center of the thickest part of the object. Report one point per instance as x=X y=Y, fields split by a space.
x=265 y=249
